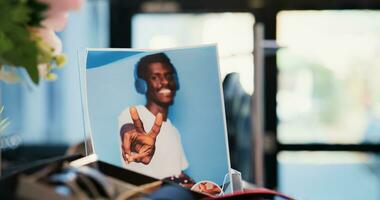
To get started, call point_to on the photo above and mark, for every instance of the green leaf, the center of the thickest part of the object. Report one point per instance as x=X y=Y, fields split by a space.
x=5 y=43
x=20 y=13
x=33 y=73
x=38 y=11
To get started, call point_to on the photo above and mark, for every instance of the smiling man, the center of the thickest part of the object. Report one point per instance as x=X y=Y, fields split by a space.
x=151 y=144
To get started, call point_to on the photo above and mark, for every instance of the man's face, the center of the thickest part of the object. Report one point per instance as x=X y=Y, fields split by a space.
x=161 y=83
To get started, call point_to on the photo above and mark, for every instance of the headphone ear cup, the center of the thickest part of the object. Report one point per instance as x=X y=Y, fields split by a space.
x=140 y=86
x=176 y=78
x=177 y=82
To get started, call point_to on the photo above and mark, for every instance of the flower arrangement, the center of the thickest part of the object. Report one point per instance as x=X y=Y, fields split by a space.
x=28 y=39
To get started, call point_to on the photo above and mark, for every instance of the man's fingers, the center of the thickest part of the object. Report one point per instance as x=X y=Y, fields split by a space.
x=149 y=151
x=123 y=153
x=146 y=149
x=127 y=143
x=136 y=120
x=156 y=126
x=128 y=160
x=137 y=157
x=146 y=160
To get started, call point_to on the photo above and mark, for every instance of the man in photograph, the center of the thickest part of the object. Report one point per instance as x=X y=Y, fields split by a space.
x=151 y=144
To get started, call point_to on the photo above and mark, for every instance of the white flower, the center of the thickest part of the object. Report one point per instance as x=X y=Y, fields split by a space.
x=56 y=22
x=50 y=38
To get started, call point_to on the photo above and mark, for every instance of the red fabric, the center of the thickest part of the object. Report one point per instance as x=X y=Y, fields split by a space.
x=250 y=194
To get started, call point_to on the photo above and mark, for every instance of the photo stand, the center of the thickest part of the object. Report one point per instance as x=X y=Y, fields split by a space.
x=108 y=87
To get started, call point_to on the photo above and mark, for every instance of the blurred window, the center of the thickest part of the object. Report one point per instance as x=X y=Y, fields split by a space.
x=327 y=175
x=328 y=93
x=328 y=85
x=232 y=32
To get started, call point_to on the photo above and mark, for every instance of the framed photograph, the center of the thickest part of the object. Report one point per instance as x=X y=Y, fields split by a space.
x=159 y=113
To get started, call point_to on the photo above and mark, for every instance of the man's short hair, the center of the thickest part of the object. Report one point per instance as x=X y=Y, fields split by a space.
x=145 y=61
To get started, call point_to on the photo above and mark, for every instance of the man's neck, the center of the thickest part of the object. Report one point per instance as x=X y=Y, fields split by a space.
x=155 y=109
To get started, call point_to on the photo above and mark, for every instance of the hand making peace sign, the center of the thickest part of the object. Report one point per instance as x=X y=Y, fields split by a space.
x=138 y=145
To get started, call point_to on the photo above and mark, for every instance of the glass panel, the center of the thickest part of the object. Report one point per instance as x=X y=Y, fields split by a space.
x=329 y=90
x=327 y=175
x=232 y=32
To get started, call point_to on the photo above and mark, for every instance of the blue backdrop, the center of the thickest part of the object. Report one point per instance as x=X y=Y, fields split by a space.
x=197 y=112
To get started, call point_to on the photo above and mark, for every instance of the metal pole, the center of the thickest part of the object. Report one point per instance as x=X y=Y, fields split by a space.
x=257 y=108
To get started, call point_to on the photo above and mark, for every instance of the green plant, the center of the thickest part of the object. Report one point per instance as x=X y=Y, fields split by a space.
x=22 y=44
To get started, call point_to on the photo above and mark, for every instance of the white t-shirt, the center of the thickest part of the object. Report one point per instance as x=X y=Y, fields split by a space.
x=169 y=158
